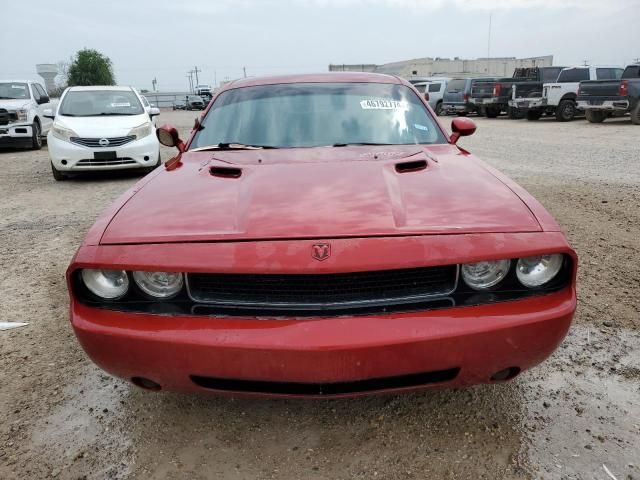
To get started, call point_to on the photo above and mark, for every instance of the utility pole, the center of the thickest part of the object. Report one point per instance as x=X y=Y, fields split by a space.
x=215 y=79
x=189 y=75
x=636 y=60
x=154 y=82
x=195 y=70
x=585 y=62
x=244 y=70
x=489 y=37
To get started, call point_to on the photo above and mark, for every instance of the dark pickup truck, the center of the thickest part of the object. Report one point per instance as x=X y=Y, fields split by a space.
x=493 y=97
x=525 y=93
x=601 y=99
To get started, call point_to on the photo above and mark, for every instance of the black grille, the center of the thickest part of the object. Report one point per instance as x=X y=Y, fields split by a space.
x=327 y=389
x=95 y=142
x=7 y=117
x=323 y=291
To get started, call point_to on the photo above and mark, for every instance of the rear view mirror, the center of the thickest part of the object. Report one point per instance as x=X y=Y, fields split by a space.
x=43 y=99
x=48 y=113
x=461 y=127
x=169 y=137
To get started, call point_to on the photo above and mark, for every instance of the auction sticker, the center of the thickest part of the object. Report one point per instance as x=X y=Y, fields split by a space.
x=384 y=104
x=121 y=104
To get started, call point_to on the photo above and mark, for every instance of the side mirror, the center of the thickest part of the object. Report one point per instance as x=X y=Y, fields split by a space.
x=48 y=113
x=426 y=96
x=168 y=136
x=461 y=127
x=154 y=111
x=44 y=99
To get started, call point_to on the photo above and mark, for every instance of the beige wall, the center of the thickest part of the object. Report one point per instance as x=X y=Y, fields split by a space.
x=426 y=67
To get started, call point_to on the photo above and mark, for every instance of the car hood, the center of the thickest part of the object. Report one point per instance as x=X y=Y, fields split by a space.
x=108 y=126
x=320 y=193
x=15 y=104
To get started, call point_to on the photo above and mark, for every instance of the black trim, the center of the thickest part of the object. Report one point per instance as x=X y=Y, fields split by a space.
x=326 y=389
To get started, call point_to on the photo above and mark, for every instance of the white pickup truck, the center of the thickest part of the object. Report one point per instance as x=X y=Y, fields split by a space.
x=559 y=98
x=22 y=120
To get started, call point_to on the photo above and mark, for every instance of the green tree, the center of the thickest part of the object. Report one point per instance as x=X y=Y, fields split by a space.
x=90 y=67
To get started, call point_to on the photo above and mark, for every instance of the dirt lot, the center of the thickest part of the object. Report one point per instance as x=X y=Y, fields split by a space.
x=573 y=417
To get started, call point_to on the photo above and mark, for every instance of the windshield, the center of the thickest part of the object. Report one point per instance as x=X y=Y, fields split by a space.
x=456 y=85
x=318 y=114
x=14 y=90
x=93 y=103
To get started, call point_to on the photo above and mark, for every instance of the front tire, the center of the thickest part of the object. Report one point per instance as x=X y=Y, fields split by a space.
x=516 y=114
x=57 y=174
x=36 y=139
x=492 y=112
x=439 y=109
x=595 y=116
x=566 y=111
x=533 y=115
x=635 y=114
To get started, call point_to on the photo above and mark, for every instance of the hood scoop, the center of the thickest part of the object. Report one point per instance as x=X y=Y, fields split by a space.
x=412 y=166
x=225 y=172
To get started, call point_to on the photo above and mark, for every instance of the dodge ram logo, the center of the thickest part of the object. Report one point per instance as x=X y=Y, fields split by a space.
x=103 y=142
x=321 y=251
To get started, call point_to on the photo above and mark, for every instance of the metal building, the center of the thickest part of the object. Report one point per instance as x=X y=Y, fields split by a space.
x=456 y=67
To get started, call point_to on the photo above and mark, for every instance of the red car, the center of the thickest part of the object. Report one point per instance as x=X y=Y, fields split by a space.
x=321 y=235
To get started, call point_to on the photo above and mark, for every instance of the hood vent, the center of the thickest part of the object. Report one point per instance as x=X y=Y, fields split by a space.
x=226 y=172
x=408 y=167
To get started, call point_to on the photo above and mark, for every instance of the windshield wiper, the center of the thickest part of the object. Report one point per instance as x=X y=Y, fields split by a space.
x=110 y=114
x=232 y=146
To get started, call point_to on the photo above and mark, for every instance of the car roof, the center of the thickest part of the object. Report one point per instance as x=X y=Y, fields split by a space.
x=100 y=87
x=17 y=81
x=332 y=77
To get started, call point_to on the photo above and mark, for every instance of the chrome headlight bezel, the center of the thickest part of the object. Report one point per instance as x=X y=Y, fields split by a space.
x=155 y=286
x=106 y=284
x=485 y=275
x=539 y=270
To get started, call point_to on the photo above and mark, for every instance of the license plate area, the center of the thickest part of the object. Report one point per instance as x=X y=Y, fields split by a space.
x=104 y=156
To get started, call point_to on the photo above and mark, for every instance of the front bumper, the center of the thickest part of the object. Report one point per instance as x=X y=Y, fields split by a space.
x=528 y=103
x=346 y=355
x=484 y=101
x=16 y=135
x=608 y=105
x=67 y=156
x=458 y=107
x=252 y=354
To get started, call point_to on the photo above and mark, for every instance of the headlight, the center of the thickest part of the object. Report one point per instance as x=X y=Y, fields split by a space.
x=108 y=284
x=142 y=131
x=159 y=284
x=63 y=133
x=23 y=115
x=484 y=275
x=536 y=271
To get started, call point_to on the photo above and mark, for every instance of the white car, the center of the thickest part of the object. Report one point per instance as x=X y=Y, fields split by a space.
x=102 y=128
x=435 y=90
x=22 y=121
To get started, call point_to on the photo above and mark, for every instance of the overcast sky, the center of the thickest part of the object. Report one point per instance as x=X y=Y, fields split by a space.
x=147 y=39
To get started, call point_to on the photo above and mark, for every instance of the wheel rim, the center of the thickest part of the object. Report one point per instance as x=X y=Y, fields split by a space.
x=569 y=111
x=38 y=137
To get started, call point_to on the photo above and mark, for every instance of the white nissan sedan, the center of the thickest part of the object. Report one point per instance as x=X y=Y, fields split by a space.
x=101 y=128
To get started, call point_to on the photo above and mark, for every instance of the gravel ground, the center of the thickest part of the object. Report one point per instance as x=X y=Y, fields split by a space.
x=573 y=417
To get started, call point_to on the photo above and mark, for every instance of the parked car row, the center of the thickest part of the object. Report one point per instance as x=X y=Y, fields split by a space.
x=598 y=91
x=192 y=102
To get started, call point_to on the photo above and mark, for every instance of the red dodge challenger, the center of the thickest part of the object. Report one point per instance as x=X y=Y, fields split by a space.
x=321 y=236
